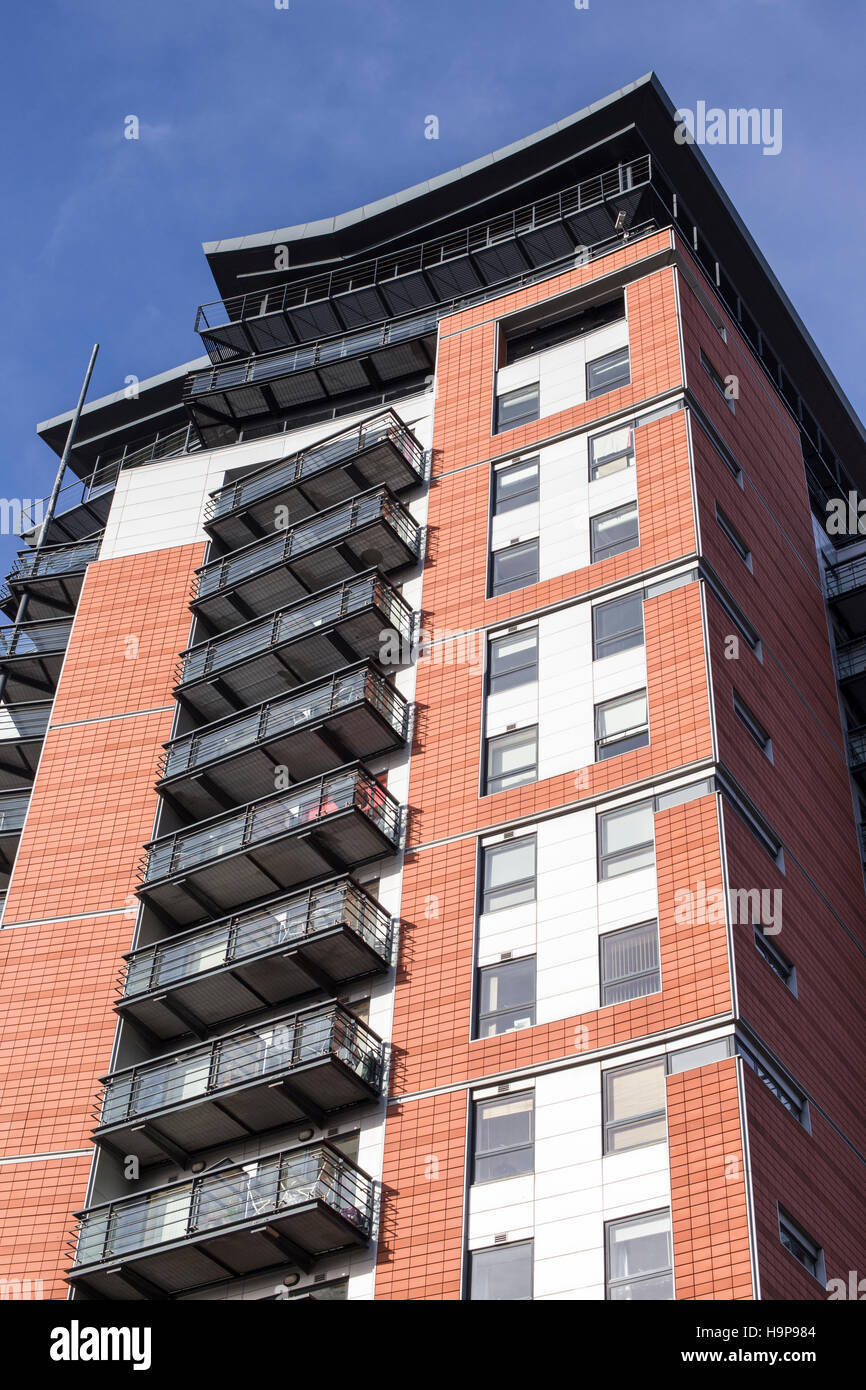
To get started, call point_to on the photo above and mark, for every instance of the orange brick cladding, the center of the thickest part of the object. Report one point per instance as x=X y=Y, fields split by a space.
x=92 y=807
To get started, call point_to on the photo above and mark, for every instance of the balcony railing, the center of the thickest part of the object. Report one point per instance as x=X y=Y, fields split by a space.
x=857 y=747
x=323 y=550
x=35 y=639
x=13 y=812
x=299 y=468
x=54 y=559
x=317 y=630
x=851 y=574
x=298 y=1048
x=851 y=659
x=24 y=721
x=300 y=807
x=158 y=1243
x=338 y=926
x=358 y=711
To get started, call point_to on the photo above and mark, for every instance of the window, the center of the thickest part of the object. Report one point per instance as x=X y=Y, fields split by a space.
x=502 y=1273
x=625 y=840
x=617 y=625
x=621 y=725
x=524 y=341
x=630 y=963
x=514 y=567
x=515 y=486
x=802 y=1247
x=612 y=532
x=734 y=537
x=503 y=1137
x=607 y=373
x=513 y=660
x=634 y=1106
x=512 y=760
x=509 y=874
x=783 y=1089
x=506 y=997
x=518 y=407
x=700 y=1055
x=775 y=959
x=718 y=381
x=639 y=1263
x=611 y=452
x=757 y=730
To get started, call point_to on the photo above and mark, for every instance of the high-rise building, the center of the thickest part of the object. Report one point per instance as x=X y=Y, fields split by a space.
x=433 y=766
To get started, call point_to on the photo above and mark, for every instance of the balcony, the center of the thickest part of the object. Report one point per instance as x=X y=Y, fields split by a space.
x=846 y=590
x=51 y=577
x=296 y=1206
x=267 y=956
x=303 y=1065
x=381 y=450
x=22 y=732
x=479 y=258
x=31 y=655
x=357 y=714
x=311 y=830
x=13 y=810
x=292 y=647
x=851 y=666
x=287 y=566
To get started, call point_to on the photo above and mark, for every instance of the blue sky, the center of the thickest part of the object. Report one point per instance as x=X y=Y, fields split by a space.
x=254 y=117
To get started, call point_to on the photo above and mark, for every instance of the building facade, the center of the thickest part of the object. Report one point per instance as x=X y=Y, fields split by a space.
x=432 y=769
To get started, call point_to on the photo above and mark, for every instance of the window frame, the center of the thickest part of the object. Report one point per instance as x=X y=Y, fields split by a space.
x=507 y=1097
x=718 y=381
x=627 y=453
x=609 y=1126
x=481 y=1017
x=488 y=853
x=629 y=632
x=592 y=395
x=752 y=725
x=489 y=745
x=729 y=530
x=637 y=974
x=613 y=855
x=781 y=966
x=610 y=1282
x=493 y=591
x=610 y=741
x=490 y=1249
x=788 y=1226
x=497 y=507
x=595 y=558
x=501 y=428
x=492 y=676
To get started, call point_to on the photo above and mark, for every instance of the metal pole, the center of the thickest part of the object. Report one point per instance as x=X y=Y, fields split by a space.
x=55 y=491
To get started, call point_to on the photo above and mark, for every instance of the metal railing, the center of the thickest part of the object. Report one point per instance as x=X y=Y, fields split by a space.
x=13 y=812
x=302 y=805
x=267 y=1187
x=54 y=559
x=281 y=924
x=282 y=1045
x=851 y=574
x=24 y=720
x=851 y=659
x=427 y=255
x=857 y=747
x=26 y=639
x=267 y=721
x=158 y=446
x=333 y=525
x=272 y=476
x=310 y=615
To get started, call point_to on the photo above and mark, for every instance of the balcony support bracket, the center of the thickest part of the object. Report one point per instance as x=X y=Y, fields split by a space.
x=286 y=1247
x=171 y=1150
x=303 y=1103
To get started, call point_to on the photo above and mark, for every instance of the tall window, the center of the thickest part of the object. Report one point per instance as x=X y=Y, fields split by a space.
x=630 y=963
x=804 y=1249
x=512 y=760
x=506 y=996
x=621 y=725
x=503 y=1137
x=514 y=567
x=502 y=1273
x=513 y=660
x=610 y=533
x=515 y=486
x=617 y=625
x=607 y=373
x=639 y=1260
x=518 y=407
x=718 y=381
x=625 y=840
x=508 y=874
x=611 y=452
x=634 y=1106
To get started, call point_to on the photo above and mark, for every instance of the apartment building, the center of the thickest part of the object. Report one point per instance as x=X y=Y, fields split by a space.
x=433 y=752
